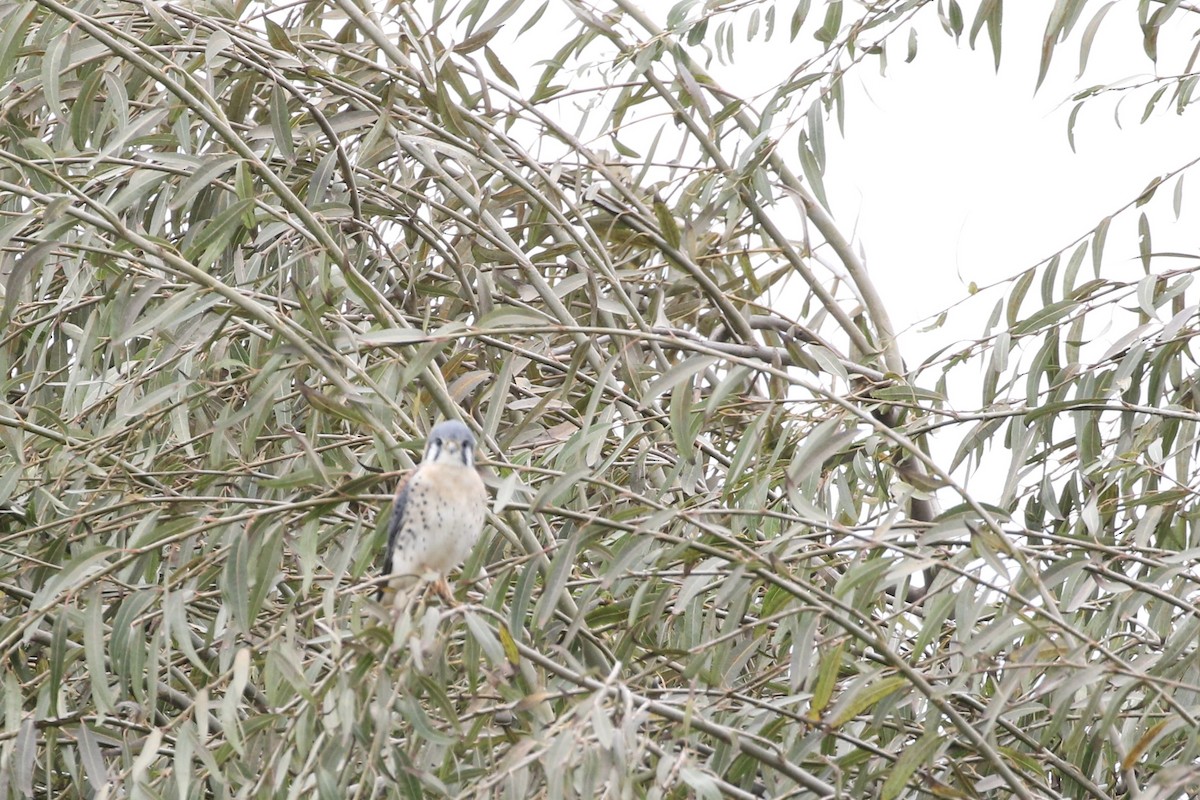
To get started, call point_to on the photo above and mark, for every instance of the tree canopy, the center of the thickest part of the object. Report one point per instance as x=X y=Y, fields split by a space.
x=250 y=253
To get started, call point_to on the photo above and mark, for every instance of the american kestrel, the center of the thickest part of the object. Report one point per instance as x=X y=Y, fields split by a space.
x=438 y=513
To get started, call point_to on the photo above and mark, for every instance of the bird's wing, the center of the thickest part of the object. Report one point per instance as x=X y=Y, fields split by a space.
x=398 y=507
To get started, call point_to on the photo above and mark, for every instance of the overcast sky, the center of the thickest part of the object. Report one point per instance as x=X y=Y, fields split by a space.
x=951 y=172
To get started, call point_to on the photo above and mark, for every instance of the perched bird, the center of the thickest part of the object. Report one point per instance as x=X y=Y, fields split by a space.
x=438 y=513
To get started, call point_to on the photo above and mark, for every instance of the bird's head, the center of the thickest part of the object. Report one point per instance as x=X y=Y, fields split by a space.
x=450 y=442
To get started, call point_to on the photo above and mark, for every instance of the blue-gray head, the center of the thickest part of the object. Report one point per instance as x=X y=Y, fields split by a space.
x=450 y=442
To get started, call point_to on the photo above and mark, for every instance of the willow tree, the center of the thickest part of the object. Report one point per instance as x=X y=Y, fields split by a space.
x=251 y=253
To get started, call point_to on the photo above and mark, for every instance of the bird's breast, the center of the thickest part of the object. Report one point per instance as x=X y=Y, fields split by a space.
x=443 y=518
x=454 y=484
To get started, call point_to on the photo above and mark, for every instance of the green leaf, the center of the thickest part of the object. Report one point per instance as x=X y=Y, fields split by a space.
x=206 y=174
x=862 y=698
x=235 y=581
x=829 y=667
x=1098 y=244
x=1089 y=35
x=1144 y=246
x=931 y=742
x=498 y=67
x=907 y=393
x=799 y=14
x=73 y=576
x=666 y=224
x=832 y=24
x=812 y=172
x=991 y=14
x=1017 y=296
x=16 y=24
x=1044 y=317
x=485 y=638
x=683 y=371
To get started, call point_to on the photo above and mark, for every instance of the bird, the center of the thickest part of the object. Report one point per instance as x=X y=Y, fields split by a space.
x=438 y=512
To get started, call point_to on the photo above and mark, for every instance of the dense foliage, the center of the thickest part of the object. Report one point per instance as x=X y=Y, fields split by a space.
x=252 y=253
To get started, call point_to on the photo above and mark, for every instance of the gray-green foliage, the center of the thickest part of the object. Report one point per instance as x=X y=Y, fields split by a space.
x=251 y=253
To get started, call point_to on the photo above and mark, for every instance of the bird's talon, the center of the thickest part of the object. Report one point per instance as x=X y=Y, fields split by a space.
x=442 y=588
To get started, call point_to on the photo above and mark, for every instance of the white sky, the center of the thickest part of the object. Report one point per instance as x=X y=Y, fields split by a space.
x=951 y=173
